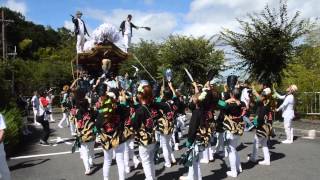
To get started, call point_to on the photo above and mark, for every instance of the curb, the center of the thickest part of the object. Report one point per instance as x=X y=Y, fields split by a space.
x=308 y=134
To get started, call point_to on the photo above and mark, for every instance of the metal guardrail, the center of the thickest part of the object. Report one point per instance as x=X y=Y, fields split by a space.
x=308 y=103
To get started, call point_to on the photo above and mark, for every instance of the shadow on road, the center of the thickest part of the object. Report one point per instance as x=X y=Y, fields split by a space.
x=97 y=167
x=219 y=173
x=136 y=175
x=241 y=147
x=174 y=175
x=248 y=165
x=273 y=142
x=29 y=163
x=276 y=156
x=98 y=155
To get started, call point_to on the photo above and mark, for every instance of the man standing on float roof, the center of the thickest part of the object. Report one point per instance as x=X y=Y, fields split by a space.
x=80 y=31
x=126 y=29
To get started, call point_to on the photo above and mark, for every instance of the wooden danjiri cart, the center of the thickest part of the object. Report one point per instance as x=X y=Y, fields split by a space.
x=91 y=61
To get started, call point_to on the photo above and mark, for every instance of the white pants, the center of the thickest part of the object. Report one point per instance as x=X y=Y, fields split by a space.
x=35 y=112
x=220 y=142
x=51 y=115
x=72 y=127
x=234 y=158
x=263 y=141
x=4 y=170
x=80 y=42
x=194 y=172
x=287 y=122
x=180 y=121
x=166 y=149
x=120 y=162
x=86 y=154
x=129 y=153
x=179 y=125
x=127 y=40
x=147 y=156
x=206 y=155
x=64 y=118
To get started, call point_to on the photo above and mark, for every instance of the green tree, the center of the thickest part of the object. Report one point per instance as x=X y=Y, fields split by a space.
x=22 y=29
x=25 y=47
x=267 y=44
x=304 y=70
x=147 y=54
x=198 y=55
x=4 y=87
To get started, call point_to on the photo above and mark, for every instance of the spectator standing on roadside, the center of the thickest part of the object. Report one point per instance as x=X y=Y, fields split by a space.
x=50 y=98
x=42 y=118
x=35 y=107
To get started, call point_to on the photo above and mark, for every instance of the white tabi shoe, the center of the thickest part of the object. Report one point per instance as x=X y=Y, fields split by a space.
x=173 y=159
x=232 y=174
x=183 y=178
x=88 y=172
x=264 y=163
x=176 y=146
x=203 y=161
x=286 y=142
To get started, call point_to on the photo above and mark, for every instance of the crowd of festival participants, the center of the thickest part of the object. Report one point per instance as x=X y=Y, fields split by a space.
x=136 y=121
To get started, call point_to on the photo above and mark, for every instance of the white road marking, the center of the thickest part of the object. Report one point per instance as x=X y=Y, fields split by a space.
x=59 y=140
x=49 y=154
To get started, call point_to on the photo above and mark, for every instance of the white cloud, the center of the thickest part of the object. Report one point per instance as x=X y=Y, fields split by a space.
x=19 y=6
x=162 y=23
x=68 y=25
x=208 y=17
x=204 y=18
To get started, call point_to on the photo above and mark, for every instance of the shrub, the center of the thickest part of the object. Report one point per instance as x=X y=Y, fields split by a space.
x=14 y=124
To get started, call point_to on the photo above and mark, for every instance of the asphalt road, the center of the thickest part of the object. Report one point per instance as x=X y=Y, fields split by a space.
x=300 y=160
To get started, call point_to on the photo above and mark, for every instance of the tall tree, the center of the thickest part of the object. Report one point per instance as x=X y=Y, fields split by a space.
x=198 y=55
x=147 y=54
x=22 y=29
x=266 y=44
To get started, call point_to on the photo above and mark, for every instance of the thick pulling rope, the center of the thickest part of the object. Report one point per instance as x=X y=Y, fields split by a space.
x=135 y=57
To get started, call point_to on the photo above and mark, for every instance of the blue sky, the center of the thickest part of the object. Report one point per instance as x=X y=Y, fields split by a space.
x=165 y=17
x=55 y=12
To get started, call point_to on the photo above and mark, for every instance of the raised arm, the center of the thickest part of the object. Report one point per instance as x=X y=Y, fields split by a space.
x=255 y=93
x=172 y=89
x=162 y=89
x=74 y=83
x=285 y=103
x=276 y=94
x=134 y=26
x=196 y=89
x=74 y=20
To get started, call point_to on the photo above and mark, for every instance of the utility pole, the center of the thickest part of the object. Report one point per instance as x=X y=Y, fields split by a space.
x=3 y=24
